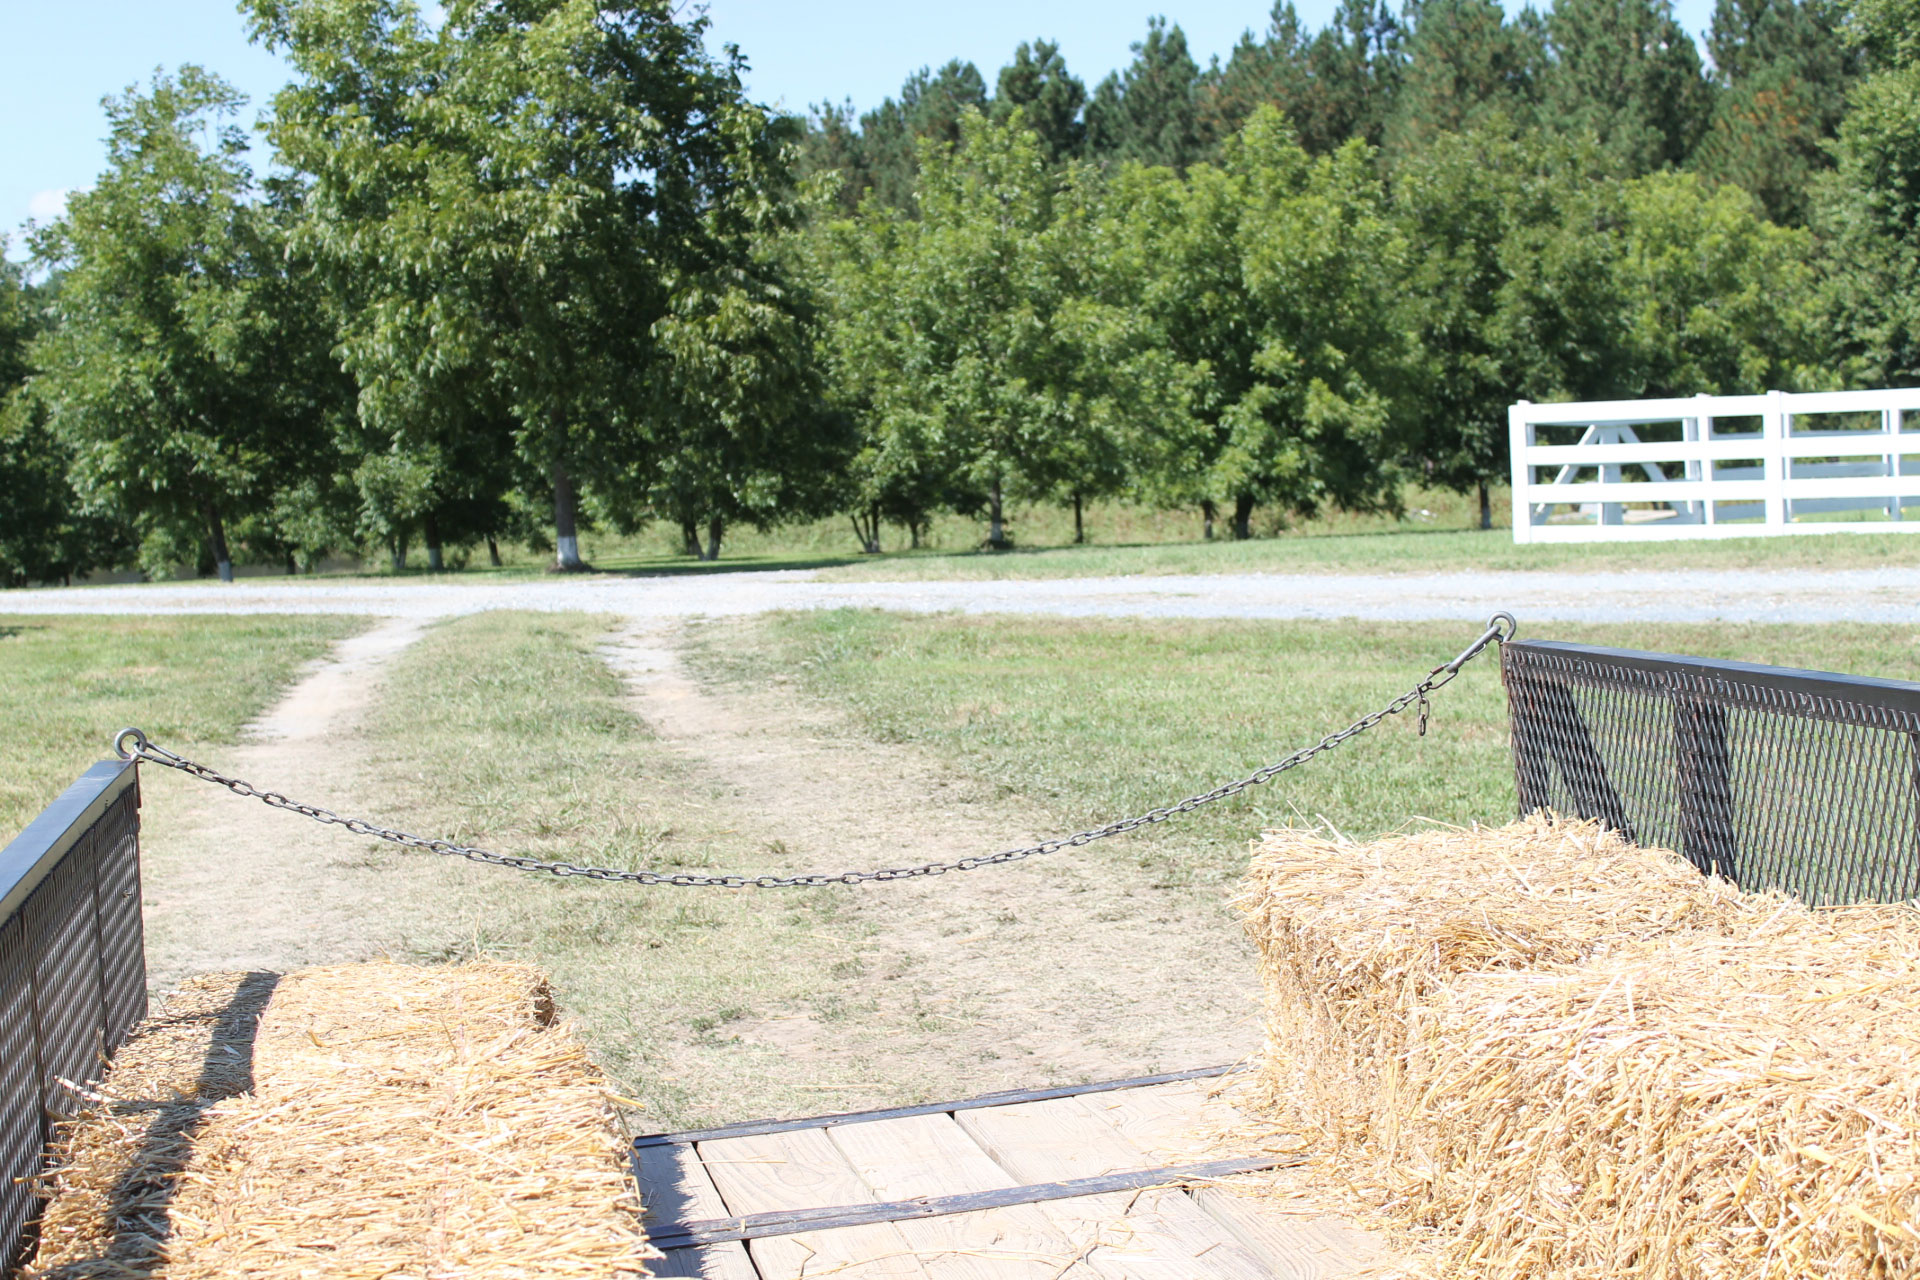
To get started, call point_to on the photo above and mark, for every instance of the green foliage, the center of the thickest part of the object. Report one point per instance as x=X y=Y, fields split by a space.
x=1146 y=112
x=180 y=367
x=1627 y=73
x=1784 y=70
x=1048 y=96
x=1338 y=84
x=1464 y=62
x=1268 y=278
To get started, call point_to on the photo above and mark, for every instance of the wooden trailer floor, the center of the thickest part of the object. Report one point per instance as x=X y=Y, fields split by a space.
x=774 y=1201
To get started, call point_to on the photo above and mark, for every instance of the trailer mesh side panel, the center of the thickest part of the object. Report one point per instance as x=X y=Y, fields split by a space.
x=73 y=974
x=1775 y=778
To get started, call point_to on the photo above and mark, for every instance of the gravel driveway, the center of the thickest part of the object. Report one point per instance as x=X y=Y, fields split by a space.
x=1693 y=595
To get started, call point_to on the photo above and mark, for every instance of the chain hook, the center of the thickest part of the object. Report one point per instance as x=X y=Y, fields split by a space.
x=137 y=737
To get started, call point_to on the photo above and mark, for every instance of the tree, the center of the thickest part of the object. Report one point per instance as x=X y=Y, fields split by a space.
x=1147 y=112
x=1869 y=213
x=929 y=109
x=965 y=343
x=1270 y=71
x=1784 y=70
x=501 y=201
x=1626 y=72
x=1268 y=278
x=1048 y=97
x=46 y=535
x=1464 y=61
x=167 y=369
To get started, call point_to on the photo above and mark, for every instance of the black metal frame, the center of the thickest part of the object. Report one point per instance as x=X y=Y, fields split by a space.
x=73 y=972
x=1773 y=777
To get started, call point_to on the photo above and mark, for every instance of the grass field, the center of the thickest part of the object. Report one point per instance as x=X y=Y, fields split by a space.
x=67 y=684
x=1097 y=719
x=1439 y=531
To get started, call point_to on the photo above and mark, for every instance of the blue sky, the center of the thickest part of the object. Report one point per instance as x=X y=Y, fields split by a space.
x=63 y=55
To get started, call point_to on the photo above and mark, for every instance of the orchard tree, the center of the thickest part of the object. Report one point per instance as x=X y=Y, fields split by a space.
x=1269 y=279
x=171 y=370
x=966 y=344
x=501 y=199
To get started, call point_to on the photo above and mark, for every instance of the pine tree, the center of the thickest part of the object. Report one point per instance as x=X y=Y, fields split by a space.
x=930 y=106
x=1271 y=71
x=1629 y=74
x=1784 y=70
x=1148 y=112
x=1355 y=66
x=1049 y=97
x=1463 y=60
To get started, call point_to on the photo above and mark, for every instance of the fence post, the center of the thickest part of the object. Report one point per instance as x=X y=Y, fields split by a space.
x=1519 y=438
x=1773 y=431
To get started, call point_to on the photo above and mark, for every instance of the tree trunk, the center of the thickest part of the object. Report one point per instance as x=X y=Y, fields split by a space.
x=493 y=552
x=714 y=526
x=913 y=533
x=1242 y=518
x=397 y=549
x=217 y=534
x=293 y=566
x=1207 y=512
x=436 y=560
x=566 y=542
x=1079 y=530
x=1486 y=507
x=996 y=521
x=690 y=537
x=873 y=525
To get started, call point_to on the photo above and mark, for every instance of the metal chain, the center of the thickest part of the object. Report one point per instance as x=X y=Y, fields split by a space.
x=132 y=744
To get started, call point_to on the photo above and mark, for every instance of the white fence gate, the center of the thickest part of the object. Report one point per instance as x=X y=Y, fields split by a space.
x=1716 y=466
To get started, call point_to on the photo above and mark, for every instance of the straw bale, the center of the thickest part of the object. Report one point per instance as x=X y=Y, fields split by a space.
x=409 y=1124
x=113 y=1168
x=1576 y=1058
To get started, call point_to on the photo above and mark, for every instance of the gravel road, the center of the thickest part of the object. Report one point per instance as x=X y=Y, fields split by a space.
x=1856 y=595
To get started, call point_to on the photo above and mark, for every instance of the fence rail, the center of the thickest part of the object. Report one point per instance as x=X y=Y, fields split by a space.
x=73 y=973
x=1804 y=781
x=1716 y=466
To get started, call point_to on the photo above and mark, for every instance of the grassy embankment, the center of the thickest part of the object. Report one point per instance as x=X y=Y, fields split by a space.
x=508 y=730
x=68 y=683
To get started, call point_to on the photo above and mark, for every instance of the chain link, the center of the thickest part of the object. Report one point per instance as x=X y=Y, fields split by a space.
x=132 y=744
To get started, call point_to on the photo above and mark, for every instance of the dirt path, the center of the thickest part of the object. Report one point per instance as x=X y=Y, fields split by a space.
x=1047 y=970
x=212 y=861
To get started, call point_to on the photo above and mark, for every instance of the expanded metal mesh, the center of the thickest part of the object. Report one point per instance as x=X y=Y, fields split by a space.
x=73 y=975
x=1773 y=777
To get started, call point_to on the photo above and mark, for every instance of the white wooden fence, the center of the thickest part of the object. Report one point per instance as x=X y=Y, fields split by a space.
x=1716 y=466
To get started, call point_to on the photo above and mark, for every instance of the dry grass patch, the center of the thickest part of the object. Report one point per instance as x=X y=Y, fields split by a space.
x=1571 y=1057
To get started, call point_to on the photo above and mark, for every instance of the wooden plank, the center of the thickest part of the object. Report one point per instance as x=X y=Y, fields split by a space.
x=750 y=1128
x=803 y=1170
x=1174 y=1121
x=1149 y=1234
x=931 y=1156
x=1295 y=1247
x=675 y=1188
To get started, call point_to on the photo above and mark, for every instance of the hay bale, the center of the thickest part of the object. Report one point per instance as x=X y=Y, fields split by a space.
x=114 y=1169
x=404 y=1123
x=1576 y=1058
